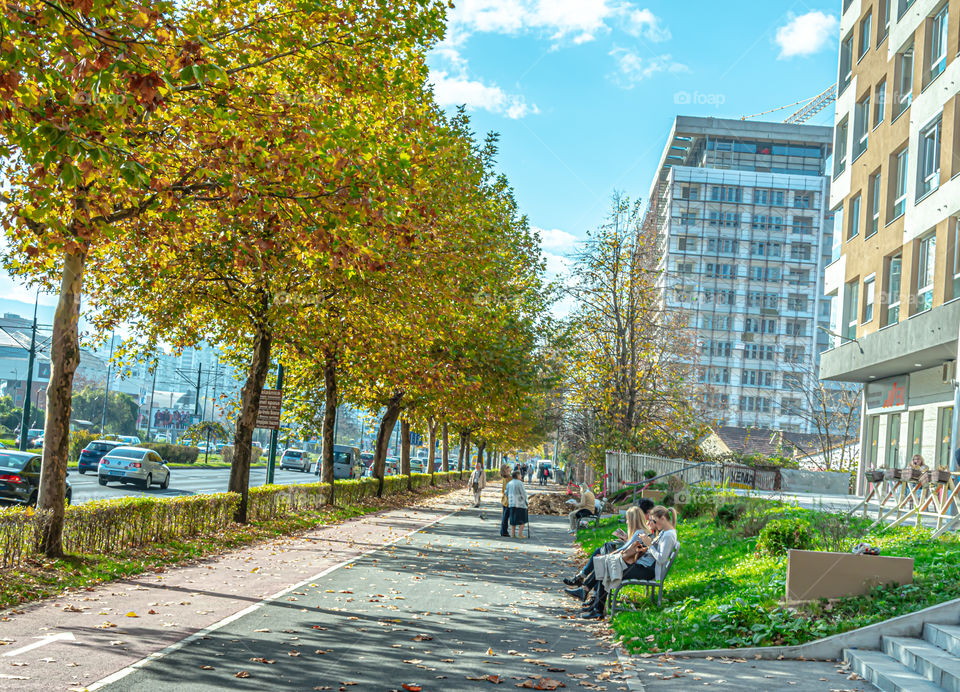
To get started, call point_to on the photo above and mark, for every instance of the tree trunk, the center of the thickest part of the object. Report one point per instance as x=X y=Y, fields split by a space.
x=383 y=438
x=64 y=359
x=247 y=420
x=445 y=450
x=480 y=447
x=405 y=452
x=432 y=442
x=329 y=419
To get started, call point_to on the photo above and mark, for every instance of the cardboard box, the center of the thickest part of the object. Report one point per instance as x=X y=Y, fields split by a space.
x=813 y=574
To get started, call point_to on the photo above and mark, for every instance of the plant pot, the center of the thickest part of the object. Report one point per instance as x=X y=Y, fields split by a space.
x=909 y=474
x=892 y=474
x=936 y=476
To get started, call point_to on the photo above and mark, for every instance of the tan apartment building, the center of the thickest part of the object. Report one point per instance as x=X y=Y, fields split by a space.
x=895 y=276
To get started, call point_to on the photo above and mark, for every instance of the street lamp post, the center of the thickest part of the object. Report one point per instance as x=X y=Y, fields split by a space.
x=32 y=354
x=106 y=388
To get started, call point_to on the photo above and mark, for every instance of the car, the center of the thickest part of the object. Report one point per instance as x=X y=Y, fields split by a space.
x=295 y=459
x=131 y=440
x=392 y=466
x=91 y=455
x=34 y=437
x=418 y=464
x=20 y=478
x=137 y=465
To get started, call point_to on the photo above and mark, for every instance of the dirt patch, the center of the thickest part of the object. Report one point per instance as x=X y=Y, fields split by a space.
x=554 y=504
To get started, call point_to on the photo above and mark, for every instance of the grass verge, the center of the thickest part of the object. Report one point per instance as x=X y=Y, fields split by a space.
x=42 y=578
x=723 y=592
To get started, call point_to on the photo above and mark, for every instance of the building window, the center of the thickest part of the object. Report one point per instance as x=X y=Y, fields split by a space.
x=873 y=204
x=944 y=432
x=725 y=194
x=904 y=73
x=900 y=184
x=801 y=225
x=840 y=148
x=869 y=294
x=892 y=456
x=801 y=200
x=850 y=304
x=801 y=251
x=928 y=165
x=865 y=27
x=691 y=192
x=686 y=244
x=861 y=126
x=873 y=435
x=883 y=20
x=853 y=220
x=916 y=432
x=903 y=6
x=689 y=218
x=893 y=289
x=879 y=102
x=927 y=251
x=936 y=45
x=846 y=63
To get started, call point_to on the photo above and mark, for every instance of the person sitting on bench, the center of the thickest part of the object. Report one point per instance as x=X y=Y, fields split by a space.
x=584 y=509
x=643 y=561
x=636 y=524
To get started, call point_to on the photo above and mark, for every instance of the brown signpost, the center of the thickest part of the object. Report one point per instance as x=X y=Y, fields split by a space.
x=269 y=414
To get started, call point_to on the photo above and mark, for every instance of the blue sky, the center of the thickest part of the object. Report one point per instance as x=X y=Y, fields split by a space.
x=583 y=92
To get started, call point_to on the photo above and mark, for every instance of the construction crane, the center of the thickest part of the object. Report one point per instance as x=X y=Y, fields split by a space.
x=809 y=109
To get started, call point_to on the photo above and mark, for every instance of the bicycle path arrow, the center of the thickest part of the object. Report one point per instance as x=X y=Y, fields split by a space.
x=44 y=640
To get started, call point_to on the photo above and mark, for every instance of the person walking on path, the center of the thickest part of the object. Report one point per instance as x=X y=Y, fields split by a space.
x=529 y=468
x=505 y=476
x=517 y=499
x=544 y=474
x=585 y=507
x=478 y=481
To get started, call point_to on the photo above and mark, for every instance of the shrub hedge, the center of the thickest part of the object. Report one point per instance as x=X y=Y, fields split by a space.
x=121 y=523
x=176 y=454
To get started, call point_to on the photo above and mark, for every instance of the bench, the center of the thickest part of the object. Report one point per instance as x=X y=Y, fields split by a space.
x=591 y=517
x=653 y=586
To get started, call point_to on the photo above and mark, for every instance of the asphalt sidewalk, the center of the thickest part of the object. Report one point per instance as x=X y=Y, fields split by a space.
x=86 y=635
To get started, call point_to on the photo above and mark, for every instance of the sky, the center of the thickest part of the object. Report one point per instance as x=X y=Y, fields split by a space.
x=583 y=92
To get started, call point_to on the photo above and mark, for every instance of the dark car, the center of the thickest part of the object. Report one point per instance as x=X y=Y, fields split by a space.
x=91 y=455
x=20 y=478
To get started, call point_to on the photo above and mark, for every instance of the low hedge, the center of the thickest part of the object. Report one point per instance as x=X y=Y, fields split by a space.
x=105 y=526
x=176 y=454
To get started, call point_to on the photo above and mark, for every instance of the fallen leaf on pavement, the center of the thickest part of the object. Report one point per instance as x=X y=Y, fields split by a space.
x=495 y=679
x=411 y=688
x=242 y=674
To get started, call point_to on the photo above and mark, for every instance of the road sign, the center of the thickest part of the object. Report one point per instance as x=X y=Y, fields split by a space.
x=416 y=439
x=269 y=414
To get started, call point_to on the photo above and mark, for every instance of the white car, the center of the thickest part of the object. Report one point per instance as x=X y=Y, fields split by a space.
x=295 y=459
x=137 y=465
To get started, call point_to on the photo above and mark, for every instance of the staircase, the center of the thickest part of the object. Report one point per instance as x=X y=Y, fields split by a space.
x=907 y=664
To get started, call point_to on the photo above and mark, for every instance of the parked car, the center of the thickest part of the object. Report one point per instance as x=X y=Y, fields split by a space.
x=91 y=455
x=34 y=437
x=418 y=465
x=20 y=478
x=144 y=467
x=392 y=466
x=295 y=459
x=131 y=440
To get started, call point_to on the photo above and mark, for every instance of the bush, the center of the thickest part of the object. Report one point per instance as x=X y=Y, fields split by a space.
x=175 y=454
x=728 y=513
x=698 y=504
x=226 y=453
x=78 y=440
x=781 y=535
x=649 y=473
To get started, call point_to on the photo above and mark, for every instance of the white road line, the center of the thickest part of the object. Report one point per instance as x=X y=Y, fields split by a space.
x=124 y=672
x=46 y=639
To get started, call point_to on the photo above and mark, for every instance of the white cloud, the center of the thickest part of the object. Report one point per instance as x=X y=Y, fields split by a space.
x=455 y=90
x=644 y=23
x=633 y=68
x=807 y=34
x=582 y=19
x=555 y=239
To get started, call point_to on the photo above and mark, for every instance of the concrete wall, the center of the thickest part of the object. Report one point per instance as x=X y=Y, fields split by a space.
x=801 y=481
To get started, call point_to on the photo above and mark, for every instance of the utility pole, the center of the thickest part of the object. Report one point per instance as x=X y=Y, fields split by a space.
x=271 y=459
x=153 y=392
x=32 y=354
x=196 y=404
x=106 y=388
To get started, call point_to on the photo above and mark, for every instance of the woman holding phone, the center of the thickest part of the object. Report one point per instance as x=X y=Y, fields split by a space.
x=637 y=520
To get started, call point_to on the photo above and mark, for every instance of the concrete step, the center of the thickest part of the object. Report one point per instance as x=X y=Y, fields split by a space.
x=946 y=637
x=888 y=674
x=935 y=664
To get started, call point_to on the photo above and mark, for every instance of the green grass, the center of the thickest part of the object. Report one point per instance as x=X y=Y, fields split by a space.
x=44 y=578
x=721 y=593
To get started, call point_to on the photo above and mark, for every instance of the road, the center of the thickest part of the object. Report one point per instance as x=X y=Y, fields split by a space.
x=182 y=482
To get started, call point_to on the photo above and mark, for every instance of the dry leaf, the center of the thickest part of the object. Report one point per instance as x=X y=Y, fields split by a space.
x=242 y=674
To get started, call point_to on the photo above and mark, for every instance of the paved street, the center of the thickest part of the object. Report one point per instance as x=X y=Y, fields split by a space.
x=182 y=482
